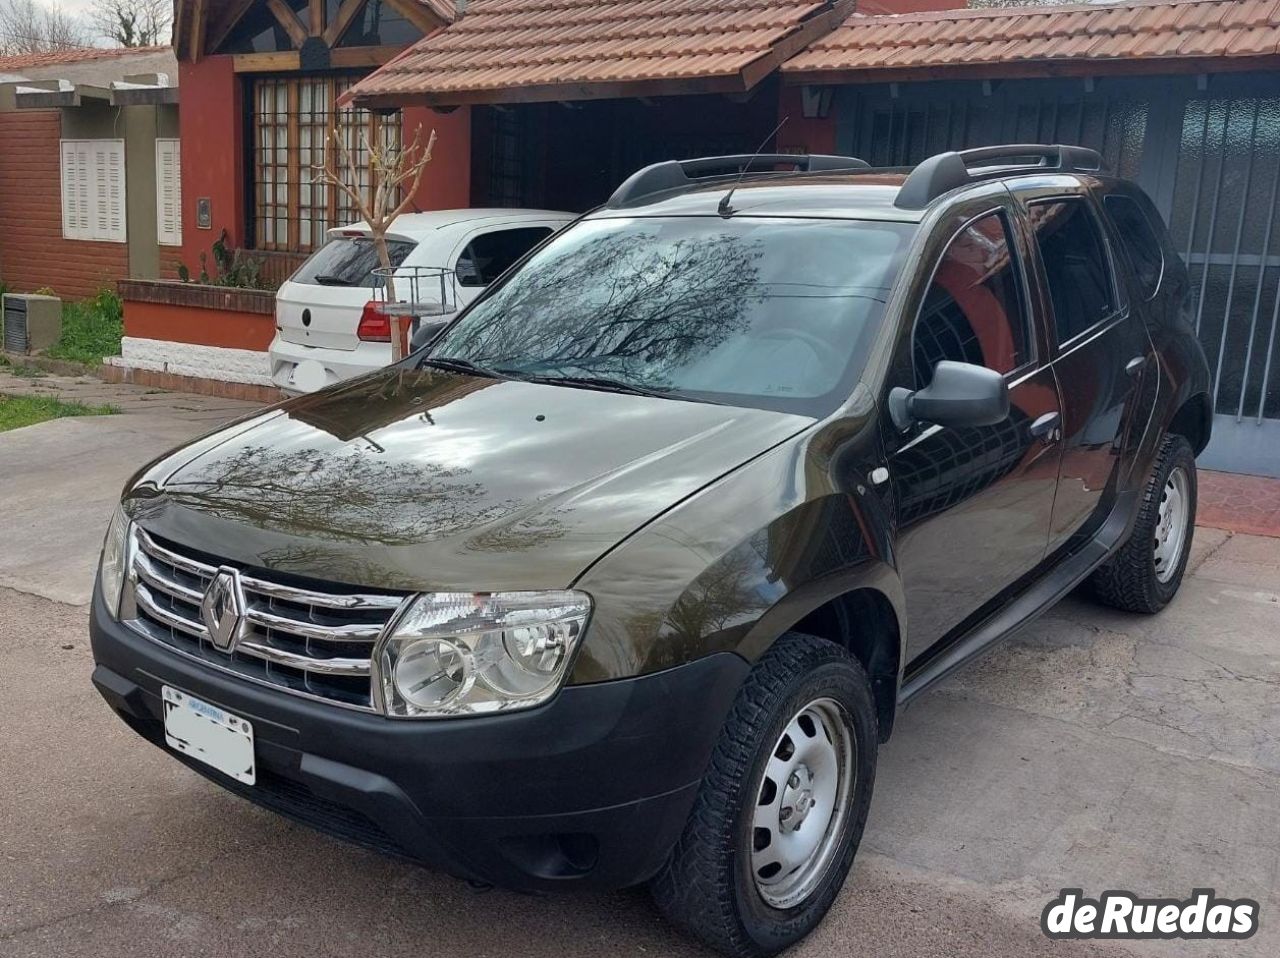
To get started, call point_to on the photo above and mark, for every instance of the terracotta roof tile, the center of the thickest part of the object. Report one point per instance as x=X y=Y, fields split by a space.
x=28 y=61
x=1133 y=30
x=552 y=49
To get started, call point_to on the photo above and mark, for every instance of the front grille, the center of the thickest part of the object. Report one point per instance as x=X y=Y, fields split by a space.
x=306 y=641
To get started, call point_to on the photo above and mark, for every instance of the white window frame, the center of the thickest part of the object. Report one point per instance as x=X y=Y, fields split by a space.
x=169 y=210
x=94 y=204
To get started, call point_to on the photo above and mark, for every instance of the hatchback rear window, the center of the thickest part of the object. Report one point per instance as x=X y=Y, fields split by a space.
x=349 y=261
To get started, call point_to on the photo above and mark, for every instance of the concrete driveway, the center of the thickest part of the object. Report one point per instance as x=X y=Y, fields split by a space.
x=1098 y=750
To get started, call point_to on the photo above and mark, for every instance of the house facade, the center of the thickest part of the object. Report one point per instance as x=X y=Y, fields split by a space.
x=88 y=169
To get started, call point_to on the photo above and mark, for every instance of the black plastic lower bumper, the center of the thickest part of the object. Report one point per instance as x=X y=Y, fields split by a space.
x=591 y=789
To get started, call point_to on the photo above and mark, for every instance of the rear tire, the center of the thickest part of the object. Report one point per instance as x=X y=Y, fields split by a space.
x=798 y=749
x=1144 y=575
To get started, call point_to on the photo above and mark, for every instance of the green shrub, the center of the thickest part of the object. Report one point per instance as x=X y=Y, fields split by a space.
x=232 y=267
x=91 y=329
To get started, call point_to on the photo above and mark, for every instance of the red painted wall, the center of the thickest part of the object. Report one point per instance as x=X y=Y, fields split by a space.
x=446 y=182
x=33 y=253
x=211 y=125
x=206 y=327
x=800 y=135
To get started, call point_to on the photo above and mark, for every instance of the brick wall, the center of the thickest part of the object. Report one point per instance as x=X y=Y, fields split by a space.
x=33 y=253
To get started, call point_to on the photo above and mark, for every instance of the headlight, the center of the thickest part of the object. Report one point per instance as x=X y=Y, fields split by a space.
x=458 y=653
x=115 y=560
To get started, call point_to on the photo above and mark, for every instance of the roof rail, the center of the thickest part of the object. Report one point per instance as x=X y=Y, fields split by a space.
x=948 y=171
x=675 y=176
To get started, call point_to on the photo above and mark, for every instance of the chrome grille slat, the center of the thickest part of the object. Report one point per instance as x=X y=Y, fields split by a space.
x=142 y=595
x=307 y=642
x=320 y=599
x=345 y=633
x=306 y=663
x=148 y=573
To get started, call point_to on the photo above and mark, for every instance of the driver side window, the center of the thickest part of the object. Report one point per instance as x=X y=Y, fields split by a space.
x=974 y=310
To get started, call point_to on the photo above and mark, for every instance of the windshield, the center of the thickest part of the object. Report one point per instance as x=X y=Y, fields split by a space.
x=767 y=312
x=349 y=261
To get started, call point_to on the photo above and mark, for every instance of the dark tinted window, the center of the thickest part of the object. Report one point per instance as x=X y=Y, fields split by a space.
x=1075 y=263
x=349 y=261
x=974 y=311
x=766 y=312
x=489 y=256
x=1139 y=240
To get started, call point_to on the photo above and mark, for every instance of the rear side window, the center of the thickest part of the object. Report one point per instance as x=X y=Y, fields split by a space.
x=974 y=310
x=1139 y=239
x=490 y=255
x=349 y=261
x=1076 y=265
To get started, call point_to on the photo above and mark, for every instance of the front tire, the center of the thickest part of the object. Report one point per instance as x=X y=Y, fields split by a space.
x=782 y=807
x=1144 y=575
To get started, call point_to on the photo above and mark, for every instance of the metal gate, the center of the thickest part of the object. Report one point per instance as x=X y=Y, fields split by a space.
x=1208 y=153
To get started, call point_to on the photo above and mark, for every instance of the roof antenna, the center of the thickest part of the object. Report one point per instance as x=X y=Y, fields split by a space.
x=725 y=208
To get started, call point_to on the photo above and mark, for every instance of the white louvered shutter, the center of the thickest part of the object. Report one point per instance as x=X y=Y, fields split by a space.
x=168 y=192
x=93 y=190
x=76 y=189
x=115 y=209
x=84 y=191
x=69 y=201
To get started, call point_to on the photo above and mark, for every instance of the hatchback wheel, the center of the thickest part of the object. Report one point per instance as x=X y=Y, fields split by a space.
x=1147 y=571
x=782 y=807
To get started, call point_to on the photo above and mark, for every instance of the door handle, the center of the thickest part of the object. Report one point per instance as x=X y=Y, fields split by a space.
x=1048 y=428
x=1135 y=365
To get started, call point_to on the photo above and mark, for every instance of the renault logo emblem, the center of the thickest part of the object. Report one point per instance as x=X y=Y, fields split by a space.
x=222 y=610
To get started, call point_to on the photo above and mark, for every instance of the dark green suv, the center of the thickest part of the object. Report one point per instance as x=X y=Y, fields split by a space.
x=626 y=576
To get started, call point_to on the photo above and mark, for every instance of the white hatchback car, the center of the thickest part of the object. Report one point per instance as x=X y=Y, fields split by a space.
x=328 y=325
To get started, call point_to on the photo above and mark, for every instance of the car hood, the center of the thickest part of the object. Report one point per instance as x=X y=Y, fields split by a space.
x=427 y=480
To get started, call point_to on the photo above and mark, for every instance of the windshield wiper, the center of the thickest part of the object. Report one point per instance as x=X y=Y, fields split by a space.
x=461 y=366
x=329 y=279
x=603 y=383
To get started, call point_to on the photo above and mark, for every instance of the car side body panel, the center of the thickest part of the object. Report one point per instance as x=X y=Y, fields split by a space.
x=749 y=556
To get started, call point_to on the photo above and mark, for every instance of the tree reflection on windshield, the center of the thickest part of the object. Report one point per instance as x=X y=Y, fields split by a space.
x=750 y=307
x=645 y=305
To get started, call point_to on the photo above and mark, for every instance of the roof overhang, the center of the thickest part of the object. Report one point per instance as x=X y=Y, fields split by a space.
x=726 y=47
x=1127 y=38
x=1029 y=69
x=56 y=94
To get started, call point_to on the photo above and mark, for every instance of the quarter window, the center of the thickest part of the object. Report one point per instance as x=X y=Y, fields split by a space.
x=1075 y=264
x=1139 y=240
x=974 y=310
x=490 y=255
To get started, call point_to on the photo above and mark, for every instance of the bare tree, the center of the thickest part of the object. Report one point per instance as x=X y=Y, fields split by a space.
x=30 y=27
x=394 y=175
x=132 y=23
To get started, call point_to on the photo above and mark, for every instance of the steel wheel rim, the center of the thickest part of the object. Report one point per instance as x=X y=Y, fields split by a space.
x=802 y=803
x=1171 y=523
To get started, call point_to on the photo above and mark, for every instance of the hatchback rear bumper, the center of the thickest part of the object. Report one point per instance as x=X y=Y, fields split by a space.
x=336 y=364
x=591 y=789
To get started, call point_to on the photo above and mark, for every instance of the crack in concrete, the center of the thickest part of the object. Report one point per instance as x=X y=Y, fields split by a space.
x=144 y=893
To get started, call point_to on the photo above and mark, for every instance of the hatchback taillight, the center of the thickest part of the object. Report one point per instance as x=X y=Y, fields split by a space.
x=375 y=325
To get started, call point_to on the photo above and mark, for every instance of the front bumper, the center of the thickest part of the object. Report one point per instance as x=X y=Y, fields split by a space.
x=591 y=789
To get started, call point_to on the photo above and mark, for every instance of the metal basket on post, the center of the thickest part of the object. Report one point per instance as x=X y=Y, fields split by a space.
x=424 y=294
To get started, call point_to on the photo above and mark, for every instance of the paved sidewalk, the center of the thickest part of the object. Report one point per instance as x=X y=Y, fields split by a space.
x=181 y=407
x=62 y=478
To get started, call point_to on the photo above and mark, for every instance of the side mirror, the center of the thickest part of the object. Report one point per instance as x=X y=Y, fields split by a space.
x=961 y=394
x=426 y=333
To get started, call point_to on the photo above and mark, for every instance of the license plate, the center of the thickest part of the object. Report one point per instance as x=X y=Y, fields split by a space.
x=208 y=734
